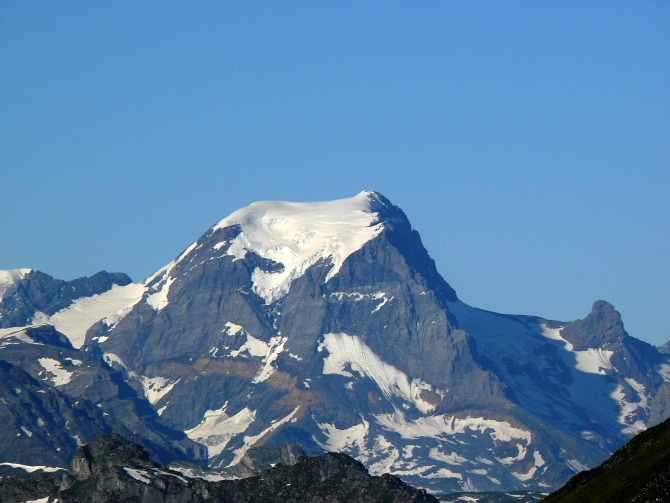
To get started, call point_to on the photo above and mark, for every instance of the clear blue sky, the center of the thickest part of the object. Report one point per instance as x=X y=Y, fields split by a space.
x=528 y=142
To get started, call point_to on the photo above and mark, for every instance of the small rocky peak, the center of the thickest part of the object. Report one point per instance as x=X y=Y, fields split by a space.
x=104 y=452
x=47 y=334
x=389 y=213
x=266 y=456
x=601 y=327
x=399 y=232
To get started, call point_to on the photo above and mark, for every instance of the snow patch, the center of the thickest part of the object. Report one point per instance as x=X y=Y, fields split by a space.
x=193 y=473
x=275 y=349
x=159 y=299
x=217 y=428
x=525 y=476
x=232 y=328
x=439 y=426
x=664 y=370
x=347 y=351
x=298 y=235
x=253 y=347
x=31 y=469
x=451 y=458
x=54 y=367
x=140 y=475
x=358 y=296
x=251 y=440
x=388 y=453
x=347 y=440
x=111 y=359
x=576 y=465
x=628 y=411
x=18 y=333
x=156 y=388
x=594 y=360
x=269 y=351
x=169 y=474
x=110 y=306
x=444 y=473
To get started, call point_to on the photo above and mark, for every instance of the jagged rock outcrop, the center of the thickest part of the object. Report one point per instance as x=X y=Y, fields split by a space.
x=112 y=469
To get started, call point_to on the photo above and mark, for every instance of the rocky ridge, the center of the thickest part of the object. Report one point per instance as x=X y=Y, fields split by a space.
x=112 y=469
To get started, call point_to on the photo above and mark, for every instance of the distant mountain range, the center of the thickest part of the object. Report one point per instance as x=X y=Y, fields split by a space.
x=325 y=325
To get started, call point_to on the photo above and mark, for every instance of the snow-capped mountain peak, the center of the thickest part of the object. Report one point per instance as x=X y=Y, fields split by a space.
x=298 y=235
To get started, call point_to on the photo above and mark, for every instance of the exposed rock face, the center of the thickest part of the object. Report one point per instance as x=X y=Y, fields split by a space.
x=327 y=325
x=41 y=425
x=54 y=398
x=111 y=450
x=259 y=459
x=113 y=469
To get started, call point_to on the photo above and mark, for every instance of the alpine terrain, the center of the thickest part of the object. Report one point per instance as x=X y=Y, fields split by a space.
x=113 y=469
x=325 y=325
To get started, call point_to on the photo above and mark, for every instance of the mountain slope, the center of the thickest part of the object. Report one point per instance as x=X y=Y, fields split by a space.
x=637 y=472
x=54 y=398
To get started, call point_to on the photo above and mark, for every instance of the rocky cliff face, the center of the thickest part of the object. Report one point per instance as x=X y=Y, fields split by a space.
x=328 y=325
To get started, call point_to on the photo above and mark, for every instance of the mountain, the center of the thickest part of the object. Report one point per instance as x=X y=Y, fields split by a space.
x=112 y=469
x=27 y=292
x=55 y=397
x=638 y=471
x=328 y=325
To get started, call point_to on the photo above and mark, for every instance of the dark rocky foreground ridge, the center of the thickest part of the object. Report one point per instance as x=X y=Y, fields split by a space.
x=113 y=469
x=638 y=472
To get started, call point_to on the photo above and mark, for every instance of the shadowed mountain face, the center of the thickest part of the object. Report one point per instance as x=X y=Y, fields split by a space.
x=328 y=325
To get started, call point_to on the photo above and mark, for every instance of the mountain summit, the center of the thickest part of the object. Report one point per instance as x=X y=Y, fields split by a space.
x=328 y=325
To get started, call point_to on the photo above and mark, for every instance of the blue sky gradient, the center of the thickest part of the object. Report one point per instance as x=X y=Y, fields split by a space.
x=528 y=142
